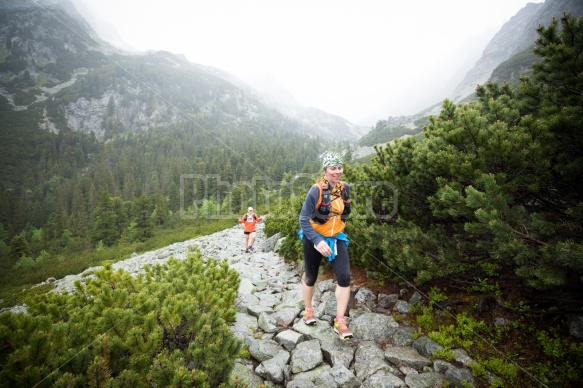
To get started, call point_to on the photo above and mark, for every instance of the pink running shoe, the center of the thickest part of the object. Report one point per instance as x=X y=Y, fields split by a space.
x=309 y=318
x=342 y=329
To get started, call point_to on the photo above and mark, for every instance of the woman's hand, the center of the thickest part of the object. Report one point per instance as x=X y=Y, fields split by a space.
x=324 y=249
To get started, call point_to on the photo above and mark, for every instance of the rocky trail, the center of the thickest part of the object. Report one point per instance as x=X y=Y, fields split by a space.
x=284 y=352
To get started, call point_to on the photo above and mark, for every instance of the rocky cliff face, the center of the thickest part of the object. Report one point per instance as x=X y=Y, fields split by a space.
x=517 y=35
x=53 y=64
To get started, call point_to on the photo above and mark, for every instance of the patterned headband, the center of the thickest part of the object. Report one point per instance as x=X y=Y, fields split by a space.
x=331 y=159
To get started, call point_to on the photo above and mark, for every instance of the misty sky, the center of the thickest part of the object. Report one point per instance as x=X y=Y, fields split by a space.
x=363 y=60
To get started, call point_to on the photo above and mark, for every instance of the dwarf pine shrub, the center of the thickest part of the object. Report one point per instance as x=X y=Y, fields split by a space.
x=168 y=326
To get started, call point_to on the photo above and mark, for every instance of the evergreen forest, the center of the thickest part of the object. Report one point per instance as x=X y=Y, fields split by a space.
x=78 y=192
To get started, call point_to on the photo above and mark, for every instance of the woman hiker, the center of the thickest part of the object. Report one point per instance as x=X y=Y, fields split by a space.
x=322 y=221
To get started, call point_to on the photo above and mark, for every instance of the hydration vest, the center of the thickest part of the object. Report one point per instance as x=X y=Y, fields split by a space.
x=324 y=205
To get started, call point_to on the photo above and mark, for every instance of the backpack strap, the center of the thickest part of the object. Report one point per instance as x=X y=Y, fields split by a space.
x=344 y=194
x=321 y=188
x=320 y=185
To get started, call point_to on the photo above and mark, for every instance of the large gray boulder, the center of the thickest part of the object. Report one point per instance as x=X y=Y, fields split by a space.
x=374 y=327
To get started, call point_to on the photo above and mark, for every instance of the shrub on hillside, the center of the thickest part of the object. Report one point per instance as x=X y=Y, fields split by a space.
x=166 y=327
x=495 y=184
x=284 y=219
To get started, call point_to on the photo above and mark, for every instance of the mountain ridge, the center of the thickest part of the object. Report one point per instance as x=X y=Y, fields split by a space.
x=43 y=64
x=506 y=42
x=504 y=59
x=81 y=118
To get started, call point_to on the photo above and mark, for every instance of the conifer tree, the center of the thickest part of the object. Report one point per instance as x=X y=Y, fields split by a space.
x=161 y=211
x=557 y=77
x=143 y=226
x=78 y=220
x=173 y=197
x=494 y=186
x=105 y=221
x=123 y=211
x=18 y=248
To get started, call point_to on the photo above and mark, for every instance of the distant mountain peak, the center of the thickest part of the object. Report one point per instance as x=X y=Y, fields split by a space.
x=514 y=36
x=508 y=47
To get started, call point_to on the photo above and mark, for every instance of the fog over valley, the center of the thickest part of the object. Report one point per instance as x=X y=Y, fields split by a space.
x=362 y=61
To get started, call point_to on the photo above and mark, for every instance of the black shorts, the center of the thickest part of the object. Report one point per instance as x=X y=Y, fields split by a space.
x=249 y=232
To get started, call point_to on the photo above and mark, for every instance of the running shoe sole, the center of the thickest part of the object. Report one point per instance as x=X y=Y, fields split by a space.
x=311 y=322
x=344 y=337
